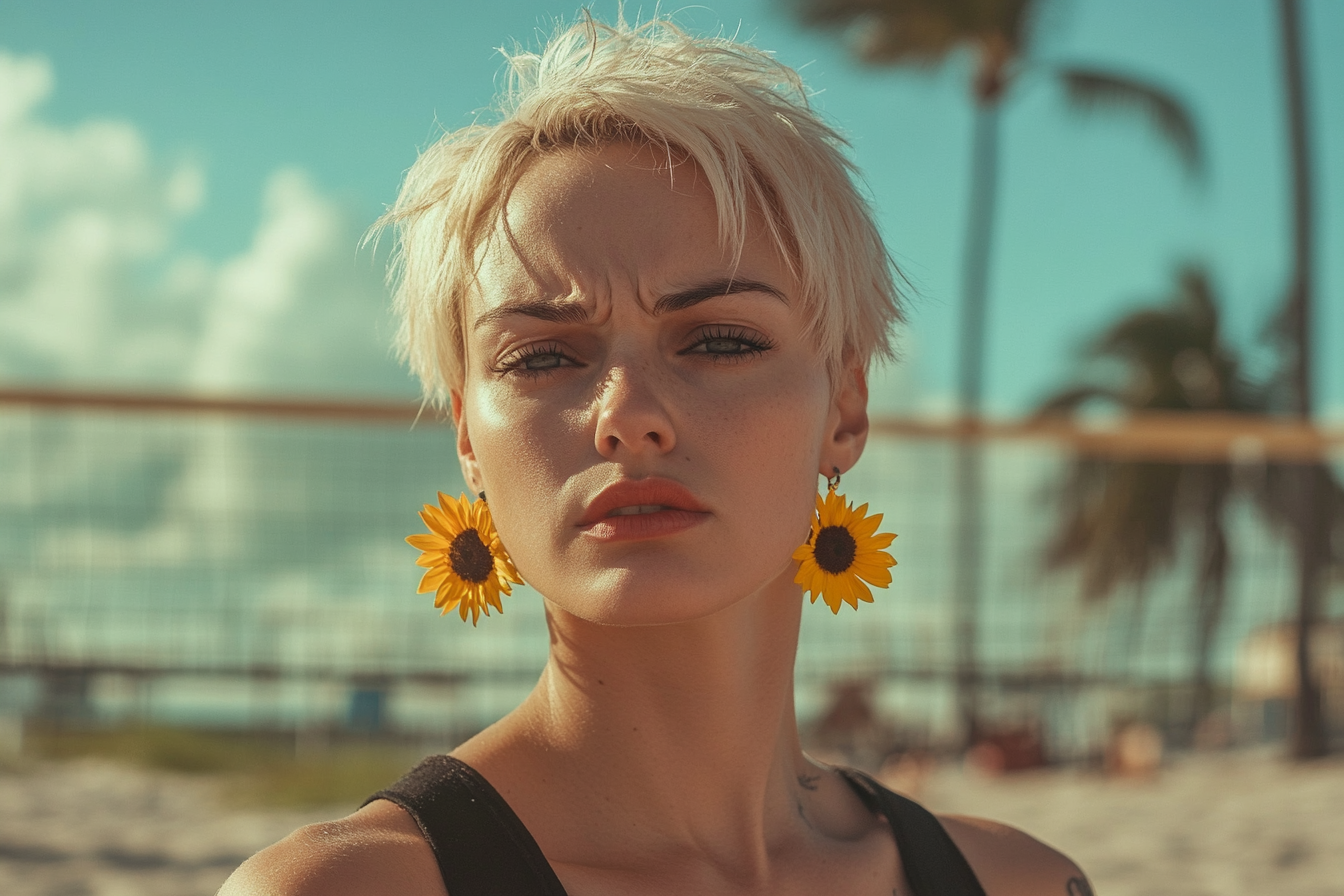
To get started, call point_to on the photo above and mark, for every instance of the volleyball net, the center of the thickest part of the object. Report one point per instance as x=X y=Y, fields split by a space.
x=241 y=563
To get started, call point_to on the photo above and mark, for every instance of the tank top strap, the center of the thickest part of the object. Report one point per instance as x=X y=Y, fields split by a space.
x=933 y=864
x=481 y=846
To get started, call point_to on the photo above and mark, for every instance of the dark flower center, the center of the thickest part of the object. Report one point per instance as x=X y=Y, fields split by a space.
x=470 y=558
x=834 y=549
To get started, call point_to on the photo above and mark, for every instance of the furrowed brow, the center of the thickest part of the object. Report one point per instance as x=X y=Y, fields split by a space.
x=712 y=289
x=575 y=313
x=556 y=312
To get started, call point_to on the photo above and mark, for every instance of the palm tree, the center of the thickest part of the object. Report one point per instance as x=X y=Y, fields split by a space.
x=1121 y=522
x=923 y=33
x=1311 y=513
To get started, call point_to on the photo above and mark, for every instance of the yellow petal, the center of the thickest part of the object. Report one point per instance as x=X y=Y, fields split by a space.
x=434 y=521
x=880 y=559
x=877 y=542
x=833 y=602
x=866 y=527
x=861 y=592
x=431 y=580
x=838 y=586
x=428 y=542
x=450 y=511
x=879 y=577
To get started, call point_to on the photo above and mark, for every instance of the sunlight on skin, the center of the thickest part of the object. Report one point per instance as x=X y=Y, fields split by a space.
x=648 y=420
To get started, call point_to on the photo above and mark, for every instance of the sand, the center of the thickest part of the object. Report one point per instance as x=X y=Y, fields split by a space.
x=1224 y=824
x=97 y=828
x=1207 y=825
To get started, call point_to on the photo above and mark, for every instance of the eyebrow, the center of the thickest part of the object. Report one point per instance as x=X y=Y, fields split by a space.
x=573 y=312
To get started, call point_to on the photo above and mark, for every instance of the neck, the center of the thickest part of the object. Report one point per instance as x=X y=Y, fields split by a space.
x=695 y=719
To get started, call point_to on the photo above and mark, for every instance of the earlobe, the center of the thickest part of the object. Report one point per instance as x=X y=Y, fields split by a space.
x=466 y=455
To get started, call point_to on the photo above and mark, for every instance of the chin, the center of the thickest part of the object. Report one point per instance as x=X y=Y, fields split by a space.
x=625 y=596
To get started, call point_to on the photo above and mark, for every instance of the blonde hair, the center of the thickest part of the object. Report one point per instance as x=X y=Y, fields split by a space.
x=742 y=117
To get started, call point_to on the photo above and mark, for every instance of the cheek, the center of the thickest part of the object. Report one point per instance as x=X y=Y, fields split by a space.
x=763 y=445
x=526 y=452
x=773 y=421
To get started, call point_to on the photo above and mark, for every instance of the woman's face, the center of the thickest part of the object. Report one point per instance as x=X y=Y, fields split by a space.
x=646 y=415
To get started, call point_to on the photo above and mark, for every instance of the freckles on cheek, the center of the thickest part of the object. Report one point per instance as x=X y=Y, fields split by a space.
x=773 y=430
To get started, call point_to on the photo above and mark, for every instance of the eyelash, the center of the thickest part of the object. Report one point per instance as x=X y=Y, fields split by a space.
x=515 y=361
x=753 y=343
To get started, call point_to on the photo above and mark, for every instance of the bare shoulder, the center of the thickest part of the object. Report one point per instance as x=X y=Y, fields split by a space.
x=1010 y=862
x=377 y=851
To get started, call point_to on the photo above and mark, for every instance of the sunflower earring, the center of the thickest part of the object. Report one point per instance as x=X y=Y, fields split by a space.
x=843 y=550
x=466 y=564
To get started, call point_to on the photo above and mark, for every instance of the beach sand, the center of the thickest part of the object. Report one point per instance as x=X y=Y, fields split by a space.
x=1216 y=824
x=93 y=827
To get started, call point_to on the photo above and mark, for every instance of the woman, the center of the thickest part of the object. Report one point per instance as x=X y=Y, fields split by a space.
x=649 y=296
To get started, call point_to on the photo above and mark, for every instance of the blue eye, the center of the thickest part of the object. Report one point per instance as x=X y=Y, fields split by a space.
x=728 y=342
x=541 y=362
x=535 y=360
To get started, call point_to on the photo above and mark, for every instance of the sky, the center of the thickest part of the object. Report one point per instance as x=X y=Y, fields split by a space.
x=183 y=186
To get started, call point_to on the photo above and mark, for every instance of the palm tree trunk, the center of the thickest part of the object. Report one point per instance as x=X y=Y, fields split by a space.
x=1309 y=735
x=970 y=459
x=1212 y=598
x=1310 y=738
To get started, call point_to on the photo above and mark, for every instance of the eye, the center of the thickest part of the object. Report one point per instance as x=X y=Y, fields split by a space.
x=728 y=343
x=535 y=360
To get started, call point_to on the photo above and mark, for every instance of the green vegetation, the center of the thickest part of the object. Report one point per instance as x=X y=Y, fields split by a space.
x=1121 y=522
x=253 y=769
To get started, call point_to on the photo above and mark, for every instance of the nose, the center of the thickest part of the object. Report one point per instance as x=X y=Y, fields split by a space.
x=630 y=416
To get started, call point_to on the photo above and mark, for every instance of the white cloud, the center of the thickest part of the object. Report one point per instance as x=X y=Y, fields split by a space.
x=98 y=291
x=253 y=291
x=96 y=288
x=27 y=81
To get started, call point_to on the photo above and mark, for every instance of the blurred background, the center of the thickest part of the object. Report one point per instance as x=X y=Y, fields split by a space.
x=1113 y=447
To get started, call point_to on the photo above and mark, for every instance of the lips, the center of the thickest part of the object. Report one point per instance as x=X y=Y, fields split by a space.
x=636 y=509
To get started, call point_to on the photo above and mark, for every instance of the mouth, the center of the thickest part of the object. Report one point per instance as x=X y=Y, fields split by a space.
x=636 y=509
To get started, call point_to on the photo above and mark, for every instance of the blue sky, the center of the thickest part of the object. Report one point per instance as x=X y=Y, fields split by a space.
x=192 y=180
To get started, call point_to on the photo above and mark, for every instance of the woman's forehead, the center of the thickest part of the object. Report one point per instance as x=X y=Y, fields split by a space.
x=597 y=220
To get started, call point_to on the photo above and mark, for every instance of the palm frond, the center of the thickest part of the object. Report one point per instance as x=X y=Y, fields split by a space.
x=919 y=32
x=1120 y=522
x=1091 y=90
x=1117 y=524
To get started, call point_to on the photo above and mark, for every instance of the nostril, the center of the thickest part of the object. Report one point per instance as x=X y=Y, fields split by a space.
x=655 y=438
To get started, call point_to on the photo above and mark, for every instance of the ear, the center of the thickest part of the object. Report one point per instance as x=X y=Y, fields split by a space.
x=847 y=424
x=466 y=456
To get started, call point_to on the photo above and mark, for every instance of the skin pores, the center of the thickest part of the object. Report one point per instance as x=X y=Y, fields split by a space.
x=613 y=338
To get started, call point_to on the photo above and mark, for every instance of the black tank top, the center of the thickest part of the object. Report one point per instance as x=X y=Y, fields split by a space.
x=483 y=849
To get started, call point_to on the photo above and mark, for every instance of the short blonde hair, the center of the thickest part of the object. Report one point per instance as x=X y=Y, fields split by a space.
x=742 y=117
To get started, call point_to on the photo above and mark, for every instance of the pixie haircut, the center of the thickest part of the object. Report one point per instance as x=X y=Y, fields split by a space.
x=740 y=116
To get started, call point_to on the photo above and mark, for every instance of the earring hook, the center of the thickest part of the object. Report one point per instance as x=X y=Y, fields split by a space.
x=833 y=481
